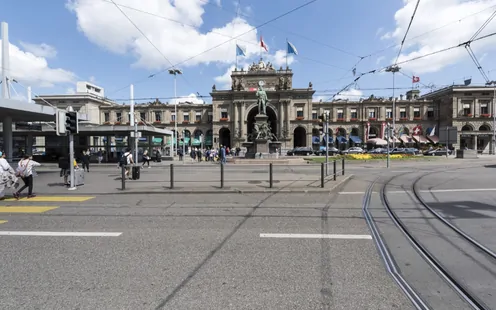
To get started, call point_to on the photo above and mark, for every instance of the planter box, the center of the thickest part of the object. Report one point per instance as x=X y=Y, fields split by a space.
x=300 y=118
x=224 y=119
x=372 y=119
x=340 y=120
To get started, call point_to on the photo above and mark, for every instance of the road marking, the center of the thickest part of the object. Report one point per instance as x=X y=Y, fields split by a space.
x=315 y=236
x=60 y=234
x=26 y=209
x=54 y=199
x=430 y=191
x=3 y=221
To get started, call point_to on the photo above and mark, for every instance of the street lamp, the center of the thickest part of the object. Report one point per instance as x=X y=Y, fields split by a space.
x=175 y=72
x=393 y=69
x=493 y=110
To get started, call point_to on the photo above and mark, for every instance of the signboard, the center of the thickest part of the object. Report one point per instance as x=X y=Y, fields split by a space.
x=27 y=126
x=448 y=135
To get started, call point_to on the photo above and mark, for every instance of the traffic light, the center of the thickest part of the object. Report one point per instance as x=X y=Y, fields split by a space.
x=71 y=123
x=322 y=123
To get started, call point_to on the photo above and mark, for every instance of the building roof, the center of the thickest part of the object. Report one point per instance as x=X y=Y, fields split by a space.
x=77 y=96
x=21 y=111
x=456 y=88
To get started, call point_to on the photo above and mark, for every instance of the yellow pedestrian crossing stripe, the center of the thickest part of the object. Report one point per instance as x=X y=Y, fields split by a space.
x=53 y=199
x=2 y=221
x=26 y=209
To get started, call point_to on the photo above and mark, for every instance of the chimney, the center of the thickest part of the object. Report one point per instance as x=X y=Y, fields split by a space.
x=401 y=97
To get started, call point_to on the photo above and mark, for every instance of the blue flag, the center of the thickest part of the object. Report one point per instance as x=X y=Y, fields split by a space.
x=292 y=49
x=240 y=51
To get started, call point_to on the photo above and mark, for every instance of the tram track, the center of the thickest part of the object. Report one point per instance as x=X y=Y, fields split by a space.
x=464 y=291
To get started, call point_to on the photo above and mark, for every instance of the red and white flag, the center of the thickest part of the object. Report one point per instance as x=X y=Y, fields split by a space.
x=415 y=79
x=263 y=45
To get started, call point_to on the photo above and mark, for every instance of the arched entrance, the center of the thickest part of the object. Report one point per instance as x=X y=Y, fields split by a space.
x=466 y=139
x=197 y=138
x=484 y=128
x=355 y=132
x=484 y=138
x=373 y=133
x=250 y=120
x=341 y=141
x=315 y=137
x=300 y=137
x=186 y=137
x=225 y=137
x=209 y=138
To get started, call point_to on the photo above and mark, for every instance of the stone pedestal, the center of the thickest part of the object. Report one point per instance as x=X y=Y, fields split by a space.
x=258 y=146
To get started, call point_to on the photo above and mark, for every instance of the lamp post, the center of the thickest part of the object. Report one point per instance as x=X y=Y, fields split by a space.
x=393 y=69
x=175 y=72
x=493 y=110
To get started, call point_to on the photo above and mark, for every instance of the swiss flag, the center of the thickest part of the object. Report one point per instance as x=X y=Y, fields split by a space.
x=415 y=79
x=263 y=45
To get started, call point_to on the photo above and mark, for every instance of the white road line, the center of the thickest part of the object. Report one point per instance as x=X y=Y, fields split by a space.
x=453 y=190
x=315 y=236
x=60 y=234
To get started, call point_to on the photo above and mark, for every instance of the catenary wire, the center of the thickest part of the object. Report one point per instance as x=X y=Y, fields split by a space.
x=407 y=30
x=218 y=45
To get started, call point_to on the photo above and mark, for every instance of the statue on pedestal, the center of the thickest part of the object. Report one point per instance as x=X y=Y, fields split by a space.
x=262 y=99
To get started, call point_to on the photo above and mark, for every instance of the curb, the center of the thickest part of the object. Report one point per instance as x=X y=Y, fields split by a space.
x=215 y=191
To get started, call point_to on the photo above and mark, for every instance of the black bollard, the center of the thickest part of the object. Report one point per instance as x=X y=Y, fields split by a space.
x=322 y=172
x=123 y=178
x=171 y=176
x=271 y=180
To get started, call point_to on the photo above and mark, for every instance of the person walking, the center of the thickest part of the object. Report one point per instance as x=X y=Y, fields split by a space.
x=85 y=160
x=25 y=172
x=8 y=178
x=146 y=159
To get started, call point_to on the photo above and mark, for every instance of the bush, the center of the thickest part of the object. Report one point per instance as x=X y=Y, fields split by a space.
x=376 y=156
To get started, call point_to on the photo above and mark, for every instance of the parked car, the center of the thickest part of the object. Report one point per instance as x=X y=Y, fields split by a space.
x=353 y=150
x=300 y=151
x=437 y=152
x=378 y=150
x=332 y=151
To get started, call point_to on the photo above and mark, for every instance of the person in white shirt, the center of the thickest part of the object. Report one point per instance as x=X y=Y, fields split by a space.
x=8 y=178
x=128 y=157
x=25 y=172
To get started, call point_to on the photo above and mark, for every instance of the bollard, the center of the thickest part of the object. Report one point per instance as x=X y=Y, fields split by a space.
x=123 y=180
x=335 y=172
x=322 y=171
x=271 y=180
x=343 y=167
x=171 y=176
x=221 y=175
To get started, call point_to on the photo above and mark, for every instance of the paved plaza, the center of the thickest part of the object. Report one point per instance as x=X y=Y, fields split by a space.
x=91 y=249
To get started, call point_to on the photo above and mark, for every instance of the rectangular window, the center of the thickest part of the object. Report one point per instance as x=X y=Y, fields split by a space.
x=198 y=116
x=314 y=114
x=142 y=117
x=389 y=113
x=118 y=117
x=430 y=112
x=299 y=112
x=173 y=116
x=158 y=116
x=466 y=109
x=354 y=114
x=340 y=113
x=484 y=109
x=416 y=112
x=186 y=117
x=372 y=113
x=210 y=117
x=223 y=114
x=106 y=117
x=402 y=112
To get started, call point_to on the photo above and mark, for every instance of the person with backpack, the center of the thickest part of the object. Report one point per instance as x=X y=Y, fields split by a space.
x=126 y=160
x=25 y=172
x=8 y=178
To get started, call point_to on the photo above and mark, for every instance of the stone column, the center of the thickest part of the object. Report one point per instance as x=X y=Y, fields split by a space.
x=7 y=137
x=287 y=105
x=235 y=117
x=29 y=144
x=281 y=118
x=242 y=119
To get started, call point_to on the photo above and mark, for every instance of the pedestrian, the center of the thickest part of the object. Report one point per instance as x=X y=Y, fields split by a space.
x=25 y=172
x=146 y=159
x=126 y=160
x=100 y=156
x=8 y=178
x=85 y=160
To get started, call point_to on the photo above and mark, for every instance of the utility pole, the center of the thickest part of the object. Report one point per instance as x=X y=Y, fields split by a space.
x=393 y=69
x=175 y=72
x=326 y=115
x=133 y=123
x=388 y=130
x=493 y=112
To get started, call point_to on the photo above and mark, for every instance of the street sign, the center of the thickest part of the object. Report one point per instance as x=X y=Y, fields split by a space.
x=448 y=135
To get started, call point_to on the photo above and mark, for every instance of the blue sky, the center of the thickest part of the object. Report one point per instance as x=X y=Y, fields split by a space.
x=92 y=40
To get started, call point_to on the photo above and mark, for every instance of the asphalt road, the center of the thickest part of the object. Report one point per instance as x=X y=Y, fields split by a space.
x=193 y=252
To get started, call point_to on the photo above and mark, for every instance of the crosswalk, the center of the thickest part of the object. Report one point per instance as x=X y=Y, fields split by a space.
x=11 y=206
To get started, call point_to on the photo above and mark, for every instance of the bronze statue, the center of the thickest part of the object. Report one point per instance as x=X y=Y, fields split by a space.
x=262 y=100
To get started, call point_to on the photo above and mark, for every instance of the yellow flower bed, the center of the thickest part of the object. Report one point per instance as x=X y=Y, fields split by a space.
x=360 y=156
x=375 y=156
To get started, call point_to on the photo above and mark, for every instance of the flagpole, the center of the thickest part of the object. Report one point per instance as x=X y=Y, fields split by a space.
x=413 y=78
x=287 y=44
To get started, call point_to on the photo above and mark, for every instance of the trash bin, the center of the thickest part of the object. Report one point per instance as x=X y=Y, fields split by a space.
x=135 y=173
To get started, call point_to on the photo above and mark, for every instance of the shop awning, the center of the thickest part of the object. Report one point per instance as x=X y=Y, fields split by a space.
x=377 y=141
x=356 y=139
x=196 y=141
x=315 y=140
x=331 y=140
x=406 y=139
x=434 y=139
x=341 y=139
x=420 y=139
x=396 y=140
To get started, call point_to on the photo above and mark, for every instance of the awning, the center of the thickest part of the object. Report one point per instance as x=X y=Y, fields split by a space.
x=196 y=141
x=356 y=139
x=420 y=139
x=434 y=139
x=315 y=140
x=396 y=140
x=406 y=139
x=377 y=141
x=331 y=140
x=341 y=139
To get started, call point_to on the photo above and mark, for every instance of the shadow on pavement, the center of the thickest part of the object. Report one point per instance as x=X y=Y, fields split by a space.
x=464 y=209
x=490 y=166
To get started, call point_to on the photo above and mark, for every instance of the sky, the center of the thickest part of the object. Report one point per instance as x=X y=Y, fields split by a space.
x=116 y=43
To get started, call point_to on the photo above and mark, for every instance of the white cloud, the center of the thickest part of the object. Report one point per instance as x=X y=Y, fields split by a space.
x=70 y=91
x=104 y=25
x=379 y=59
x=92 y=79
x=33 y=70
x=351 y=94
x=279 y=59
x=224 y=81
x=191 y=98
x=40 y=50
x=445 y=12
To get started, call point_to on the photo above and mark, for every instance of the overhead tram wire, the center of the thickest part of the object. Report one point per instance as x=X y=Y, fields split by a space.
x=218 y=45
x=148 y=39
x=407 y=30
